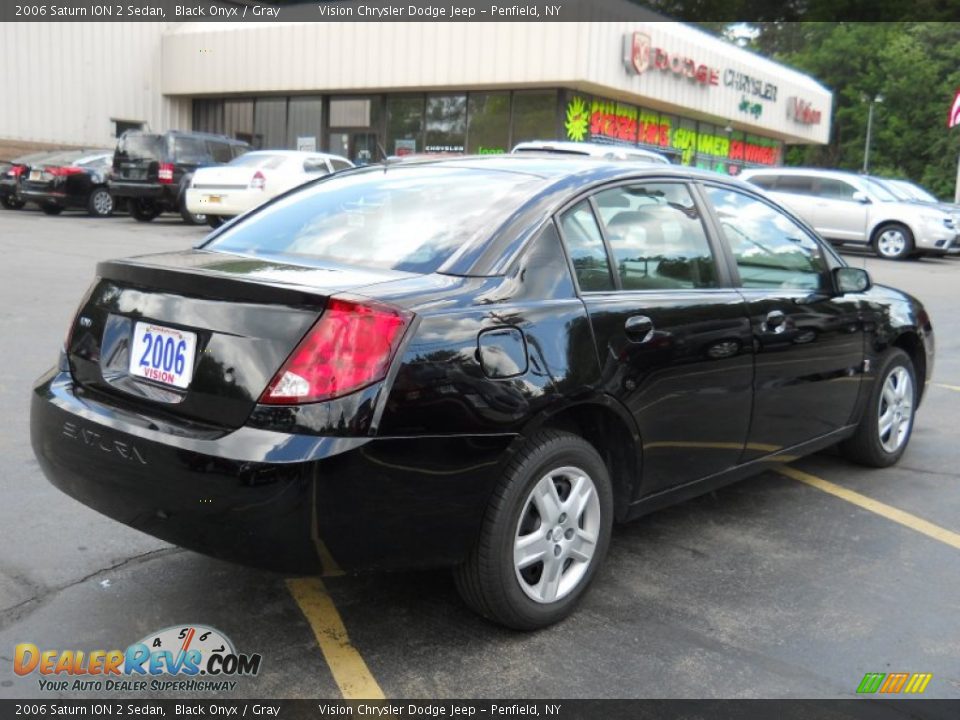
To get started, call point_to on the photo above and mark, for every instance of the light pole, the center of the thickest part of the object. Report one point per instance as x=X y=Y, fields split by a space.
x=866 y=148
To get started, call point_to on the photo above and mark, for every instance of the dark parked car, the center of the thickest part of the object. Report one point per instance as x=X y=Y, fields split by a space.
x=480 y=363
x=15 y=171
x=76 y=179
x=153 y=171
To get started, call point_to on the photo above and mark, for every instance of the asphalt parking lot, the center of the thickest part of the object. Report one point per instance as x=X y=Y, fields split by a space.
x=790 y=584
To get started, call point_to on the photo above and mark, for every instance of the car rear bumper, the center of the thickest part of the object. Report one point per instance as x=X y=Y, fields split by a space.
x=230 y=201
x=161 y=192
x=294 y=503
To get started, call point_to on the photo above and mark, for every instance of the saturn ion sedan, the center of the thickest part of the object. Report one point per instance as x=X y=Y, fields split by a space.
x=480 y=363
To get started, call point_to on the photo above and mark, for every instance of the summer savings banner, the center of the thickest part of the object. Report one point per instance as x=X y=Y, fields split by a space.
x=700 y=144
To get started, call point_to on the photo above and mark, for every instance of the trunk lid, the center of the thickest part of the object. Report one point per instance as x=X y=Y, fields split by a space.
x=246 y=315
x=223 y=177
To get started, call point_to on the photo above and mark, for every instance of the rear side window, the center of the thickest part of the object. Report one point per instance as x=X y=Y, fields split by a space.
x=140 y=146
x=410 y=219
x=770 y=249
x=767 y=182
x=220 y=151
x=584 y=243
x=190 y=150
x=796 y=184
x=657 y=237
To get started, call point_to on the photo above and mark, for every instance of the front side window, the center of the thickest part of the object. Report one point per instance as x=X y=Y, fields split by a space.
x=657 y=237
x=770 y=249
x=585 y=246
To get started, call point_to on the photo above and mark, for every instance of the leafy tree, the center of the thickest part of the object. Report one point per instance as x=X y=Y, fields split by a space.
x=914 y=66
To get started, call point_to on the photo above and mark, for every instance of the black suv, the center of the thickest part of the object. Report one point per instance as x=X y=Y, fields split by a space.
x=153 y=171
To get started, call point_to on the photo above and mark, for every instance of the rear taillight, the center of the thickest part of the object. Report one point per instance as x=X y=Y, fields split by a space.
x=63 y=171
x=258 y=181
x=18 y=170
x=348 y=348
x=165 y=173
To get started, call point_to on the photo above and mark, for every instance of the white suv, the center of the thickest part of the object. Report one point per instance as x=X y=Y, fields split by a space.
x=847 y=208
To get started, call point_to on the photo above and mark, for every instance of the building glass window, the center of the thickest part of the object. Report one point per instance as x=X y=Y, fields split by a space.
x=305 y=123
x=613 y=120
x=446 y=124
x=534 y=116
x=270 y=123
x=404 y=125
x=488 y=129
x=208 y=116
x=238 y=119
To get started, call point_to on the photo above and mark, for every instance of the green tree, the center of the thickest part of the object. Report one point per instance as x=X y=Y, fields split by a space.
x=914 y=66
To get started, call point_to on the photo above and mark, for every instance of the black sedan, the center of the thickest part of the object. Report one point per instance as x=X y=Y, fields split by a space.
x=479 y=362
x=76 y=179
x=15 y=171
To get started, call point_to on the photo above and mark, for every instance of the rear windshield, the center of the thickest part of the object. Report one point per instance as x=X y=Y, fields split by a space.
x=141 y=146
x=268 y=161
x=409 y=219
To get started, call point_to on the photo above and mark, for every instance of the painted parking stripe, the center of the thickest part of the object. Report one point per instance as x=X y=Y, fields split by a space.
x=906 y=519
x=349 y=670
x=948 y=387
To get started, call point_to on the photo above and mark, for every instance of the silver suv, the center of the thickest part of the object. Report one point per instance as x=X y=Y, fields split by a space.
x=848 y=208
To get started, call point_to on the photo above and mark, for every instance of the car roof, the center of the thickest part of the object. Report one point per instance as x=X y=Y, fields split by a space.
x=296 y=153
x=558 y=166
x=818 y=172
x=593 y=149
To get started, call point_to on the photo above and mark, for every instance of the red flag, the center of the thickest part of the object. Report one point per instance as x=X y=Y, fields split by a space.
x=954 y=119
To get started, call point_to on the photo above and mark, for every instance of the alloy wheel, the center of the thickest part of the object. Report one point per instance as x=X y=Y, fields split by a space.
x=102 y=202
x=896 y=409
x=892 y=243
x=557 y=534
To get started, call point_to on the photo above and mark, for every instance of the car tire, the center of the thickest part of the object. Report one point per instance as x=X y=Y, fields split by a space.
x=51 y=209
x=529 y=514
x=887 y=423
x=215 y=221
x=143 y=210
x=100 y=203
x=188 y=217
x=893 y=241
x=11 y=203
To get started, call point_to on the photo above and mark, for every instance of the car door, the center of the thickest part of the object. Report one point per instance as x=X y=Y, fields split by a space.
x=837 y=214
x=672 y=336
x=809 y=341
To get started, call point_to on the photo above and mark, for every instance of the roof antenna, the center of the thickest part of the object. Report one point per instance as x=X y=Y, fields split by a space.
x=383 y=153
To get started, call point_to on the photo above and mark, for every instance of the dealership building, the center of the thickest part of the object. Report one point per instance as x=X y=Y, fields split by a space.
x=362 y=89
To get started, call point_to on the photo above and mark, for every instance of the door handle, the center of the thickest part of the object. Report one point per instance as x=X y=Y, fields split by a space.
x=776 y=321
x=639 y=328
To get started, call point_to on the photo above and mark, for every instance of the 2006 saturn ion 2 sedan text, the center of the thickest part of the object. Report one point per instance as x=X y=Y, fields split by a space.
x=473 y=362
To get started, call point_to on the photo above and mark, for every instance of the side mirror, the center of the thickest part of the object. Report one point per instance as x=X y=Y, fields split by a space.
x=851 y=280
x=861 y=197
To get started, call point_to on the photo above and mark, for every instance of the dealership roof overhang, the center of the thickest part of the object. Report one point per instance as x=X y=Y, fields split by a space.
x=665 y=66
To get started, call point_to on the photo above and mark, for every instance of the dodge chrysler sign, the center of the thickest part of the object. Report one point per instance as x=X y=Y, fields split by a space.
x=639 y=55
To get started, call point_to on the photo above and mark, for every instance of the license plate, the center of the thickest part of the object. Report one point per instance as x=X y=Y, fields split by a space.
x=35 y=175
x=163 y=354
x=213 y=198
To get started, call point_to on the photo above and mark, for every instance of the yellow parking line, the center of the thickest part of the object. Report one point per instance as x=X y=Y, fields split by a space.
x=350 y=672
x=948 y=387
x=906 y=519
